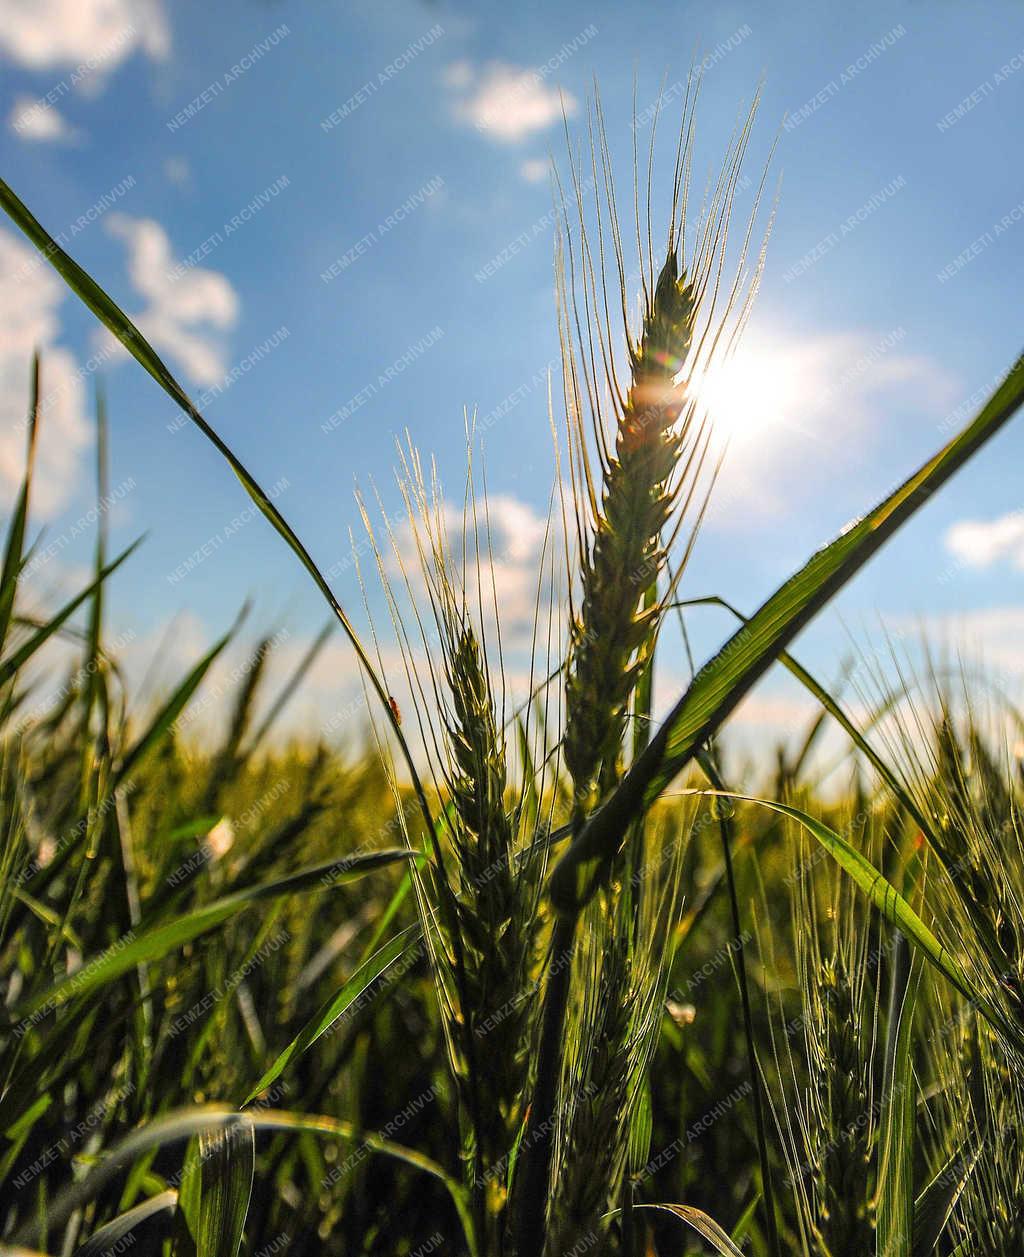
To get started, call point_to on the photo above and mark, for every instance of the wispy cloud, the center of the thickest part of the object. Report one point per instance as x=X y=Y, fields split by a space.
x=987 y=638
x=535 y=169
x=178 y=171
x=983 y=542
x=182 y=308
x=507 y=102
x=36 y=121
x=29 y=320
x=511 y=542
x=90 y=36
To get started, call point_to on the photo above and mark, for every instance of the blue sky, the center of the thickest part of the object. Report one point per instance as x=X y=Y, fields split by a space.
x=335 y=222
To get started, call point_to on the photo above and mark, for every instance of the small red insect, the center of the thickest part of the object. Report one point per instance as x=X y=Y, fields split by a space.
x=394 y=709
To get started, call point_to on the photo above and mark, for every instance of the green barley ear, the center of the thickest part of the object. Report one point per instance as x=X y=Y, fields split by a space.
x=842 y=1138
x=496 y=905
x=650 y=444
x=496 y=902
x=978 y=1135
x=620 y=977
x=944 y=756
x=596 y=1086
x=485 y=959
x=478 y=776
x=627 y=550
x=830 y=1128
x=650 y=438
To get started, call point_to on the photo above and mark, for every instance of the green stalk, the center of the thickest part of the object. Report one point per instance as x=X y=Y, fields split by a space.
x=756 y=1081
x=535 y=1157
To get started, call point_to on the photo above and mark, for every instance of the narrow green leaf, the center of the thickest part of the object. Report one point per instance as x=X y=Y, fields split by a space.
x=530 y=799
x=743 y=1223
x=29 y=1118
x=327 y=1015
x=895 y=1209
x=115 y=319
x=106 y=1238
x=290 y=687
x=183 y=1123
x=135 y=949
x=725 y=828
x=94 y=637
x=215 y=1191
x=887 y=899
x=704 y=1225
x=162 y=723
x=835 y=710
x=15 y=548
x=641 y=1129
x=933 y=1207
x=21 y=656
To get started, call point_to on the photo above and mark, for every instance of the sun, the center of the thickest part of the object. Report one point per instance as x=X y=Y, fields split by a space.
x=752 y=397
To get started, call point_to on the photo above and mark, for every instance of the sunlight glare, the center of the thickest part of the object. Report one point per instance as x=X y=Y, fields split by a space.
x=750 y=396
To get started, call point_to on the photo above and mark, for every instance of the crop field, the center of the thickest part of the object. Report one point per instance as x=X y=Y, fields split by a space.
x=535 y=966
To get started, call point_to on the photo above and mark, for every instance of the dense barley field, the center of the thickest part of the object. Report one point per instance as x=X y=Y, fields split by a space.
x=527 y=974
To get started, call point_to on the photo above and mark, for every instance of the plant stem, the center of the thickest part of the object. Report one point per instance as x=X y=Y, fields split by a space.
x=725 y=829
x=537 y=1143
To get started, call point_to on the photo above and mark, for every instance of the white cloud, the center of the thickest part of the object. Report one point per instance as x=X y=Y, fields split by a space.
x=980 y=542
x=516 y=526
x=30 y=295
x=329 y=703
x=91 y=37
x=182 y=305
x=178 y=170
x=780 y=713
x=36 y=120
x=988 y=638
x=511 y=559
x=535 y=169
x=507 y=102
x=459 y=76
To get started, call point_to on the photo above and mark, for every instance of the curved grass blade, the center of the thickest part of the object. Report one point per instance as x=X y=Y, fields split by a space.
x=15 y=548
x=887 y=899
x=835 y=710
x=402 y=891
x=722 y=682
x=743 y=1224
x=94 y=684
x=107 y=1237
x=895 y=1207
x=328 y=1014
x=158 y=729
x=117 y=322
x=114 y=318
x=289 y=688
x=21 y=656
x=184 y=1123
x=703 y=1224
x=215 y=1191
x=725 y=829
x=134 y=949
x=171 y=710
x=129 y=335
x=933 y=1207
